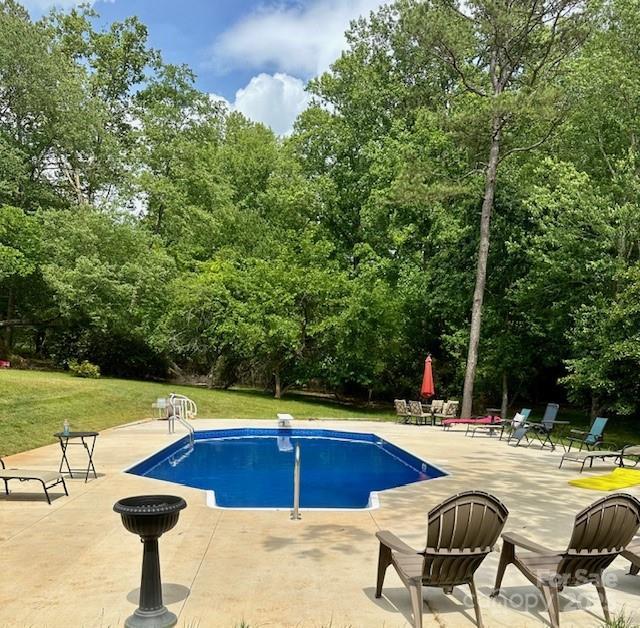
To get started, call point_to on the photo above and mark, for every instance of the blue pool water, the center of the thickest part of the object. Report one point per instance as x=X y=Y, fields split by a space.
x=253 y=468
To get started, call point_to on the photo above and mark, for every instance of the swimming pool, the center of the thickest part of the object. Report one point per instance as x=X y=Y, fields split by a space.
x=253 y=468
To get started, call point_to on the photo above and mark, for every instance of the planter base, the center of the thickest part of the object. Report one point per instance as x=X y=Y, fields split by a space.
x=160 y=618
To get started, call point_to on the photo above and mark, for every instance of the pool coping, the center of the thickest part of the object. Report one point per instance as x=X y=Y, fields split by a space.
x=209 y=494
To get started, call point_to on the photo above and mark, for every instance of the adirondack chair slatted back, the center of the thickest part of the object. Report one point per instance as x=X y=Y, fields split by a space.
x=461 y=531
x=550 y=414
x=597 y=430
x=601 y=531
x=401 y=407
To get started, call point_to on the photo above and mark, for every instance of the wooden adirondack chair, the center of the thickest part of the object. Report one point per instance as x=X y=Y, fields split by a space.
x=600 y=533
x=461 y=532
x=632 y=554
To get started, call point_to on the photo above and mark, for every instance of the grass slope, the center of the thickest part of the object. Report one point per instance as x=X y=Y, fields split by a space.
x=34 y=405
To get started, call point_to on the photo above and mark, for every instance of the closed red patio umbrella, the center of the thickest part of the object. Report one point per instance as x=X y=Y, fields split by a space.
x=427 y=389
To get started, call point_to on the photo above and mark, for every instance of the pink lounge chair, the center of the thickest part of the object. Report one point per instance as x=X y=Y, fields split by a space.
x=485 y=420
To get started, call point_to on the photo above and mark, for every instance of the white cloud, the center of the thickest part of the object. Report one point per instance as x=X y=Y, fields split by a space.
x=301 y=39
x=276 y=100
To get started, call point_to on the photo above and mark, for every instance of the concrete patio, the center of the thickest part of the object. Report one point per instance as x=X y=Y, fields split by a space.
x=73 y=564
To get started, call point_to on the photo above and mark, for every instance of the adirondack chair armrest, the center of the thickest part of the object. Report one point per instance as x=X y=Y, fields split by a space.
x=391 y=541
x=512 y=538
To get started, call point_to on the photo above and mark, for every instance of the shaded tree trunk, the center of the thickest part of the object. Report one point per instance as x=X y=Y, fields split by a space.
x=8 y=330
x=278 y=389
x=159 y=217
x=595 y=405
x=481 y=268
x=40 y=340
x=505 y=396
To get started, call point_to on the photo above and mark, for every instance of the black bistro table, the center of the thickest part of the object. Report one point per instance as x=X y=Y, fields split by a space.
x=88 y=441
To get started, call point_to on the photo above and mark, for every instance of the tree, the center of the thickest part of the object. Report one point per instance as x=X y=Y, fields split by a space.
x=579 y=292
x=20 y=257
x=107 y=277
x=179 y=177
x=50 y=71
x=92 y=151
x=266 y=316
x=503 y=57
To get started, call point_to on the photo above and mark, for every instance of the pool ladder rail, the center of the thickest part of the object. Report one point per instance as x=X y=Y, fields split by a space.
x=181 y=455
x=295 y=512
x=181 y=408
x=192 y=432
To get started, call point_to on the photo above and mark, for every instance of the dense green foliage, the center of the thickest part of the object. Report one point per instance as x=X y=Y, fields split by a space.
x=145 y=228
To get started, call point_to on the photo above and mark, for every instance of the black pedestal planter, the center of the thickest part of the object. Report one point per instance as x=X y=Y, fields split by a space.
x=150 y=516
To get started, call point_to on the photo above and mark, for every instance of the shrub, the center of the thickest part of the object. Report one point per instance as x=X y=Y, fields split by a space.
x=18 y=362
x=84 y=369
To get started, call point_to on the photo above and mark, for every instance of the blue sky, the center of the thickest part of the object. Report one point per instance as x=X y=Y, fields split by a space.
x=256 y=54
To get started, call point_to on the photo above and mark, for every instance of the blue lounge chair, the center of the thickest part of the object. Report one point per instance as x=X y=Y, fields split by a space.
x=542 y=431
x=518 y=420
x=591 y=439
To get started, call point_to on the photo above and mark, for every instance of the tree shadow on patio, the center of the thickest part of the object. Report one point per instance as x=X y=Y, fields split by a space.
x=397 y=600
x=329 y=537
x=527 y=599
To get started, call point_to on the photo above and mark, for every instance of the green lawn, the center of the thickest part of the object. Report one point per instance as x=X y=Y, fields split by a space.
x=34 y=405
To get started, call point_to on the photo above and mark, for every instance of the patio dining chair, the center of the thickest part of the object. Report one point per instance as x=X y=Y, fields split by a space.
x=461 y=532
x=449 y=411
x=600 y=534
x=418 y=414
x=402 y=410
x=591 y=439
